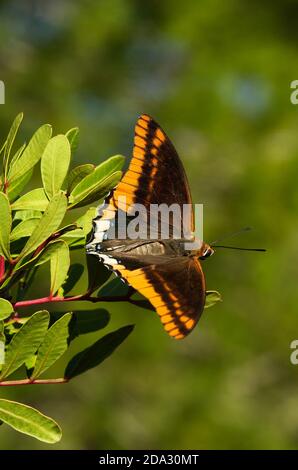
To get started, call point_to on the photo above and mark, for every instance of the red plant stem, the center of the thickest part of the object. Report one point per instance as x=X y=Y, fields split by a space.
x=2 y=267
x=75 y=298
x=41 y=300
x=11 y=383
x=6 y=184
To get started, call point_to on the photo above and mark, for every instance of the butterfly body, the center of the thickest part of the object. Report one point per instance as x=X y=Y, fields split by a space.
x=164 y=268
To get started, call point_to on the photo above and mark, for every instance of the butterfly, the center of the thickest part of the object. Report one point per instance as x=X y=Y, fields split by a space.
x=162 y=269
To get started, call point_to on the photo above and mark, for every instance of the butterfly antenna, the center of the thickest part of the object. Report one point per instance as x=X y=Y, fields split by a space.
x=234 y=234
x=231 y=235
x=238 y=248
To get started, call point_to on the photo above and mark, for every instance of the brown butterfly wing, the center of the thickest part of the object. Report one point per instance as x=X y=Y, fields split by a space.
x=175 y=286
x=155 y=174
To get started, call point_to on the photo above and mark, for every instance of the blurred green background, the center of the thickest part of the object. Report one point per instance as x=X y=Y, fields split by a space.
x=217 y=76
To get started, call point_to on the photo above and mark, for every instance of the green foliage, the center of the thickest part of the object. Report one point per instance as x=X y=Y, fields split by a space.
x=6 y=309
x=85 y=321
x=53 y=345
x=6 y=221
x=97 y=183
x=29 y=421
x=20 y=171
x=24 y=229
x=10 y=140
x=25 y=342
x=77 y=174
x=88 y=321
x=60 y=262
x=47 y=224
x=54 y=164
x=212 y=297
x=38 y=227
x=73 y=138
x=32 y=234
x=34 y=200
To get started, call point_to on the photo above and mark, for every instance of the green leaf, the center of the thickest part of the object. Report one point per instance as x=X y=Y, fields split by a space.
x=31 y=154
x=29 y=364
x=24 y=229
x=17 y=154
x=25 y=215
x=25 y=282
x=33 y=200
x=66 y=229
x=96 y=185
x=97 y=353
x=55 y=162
x=88 y=321
x=77 y=174
x=53 y=345
x=60 y=263
x=74 y=235
x=16 y=186
x=85 y=321
x=101 y=191
x=98 y=274
x=30 y=421
x=42 y=257
x=116 y=287
x=11 y=327
x=48 y=252
x=75 y=242
x=25 y=342
x=212 y=297
x=10 y=140
x=98 y=192
x=73 y=138
x=5 y=225
x=85 y=221
x=75 y=272
x=48 y=223
x=6 y=309
x=3 y=148
x=69 y=233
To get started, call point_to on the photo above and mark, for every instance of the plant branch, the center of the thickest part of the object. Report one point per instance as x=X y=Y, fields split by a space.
x=75 y=298
x=11 y=383
x=6 y=184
